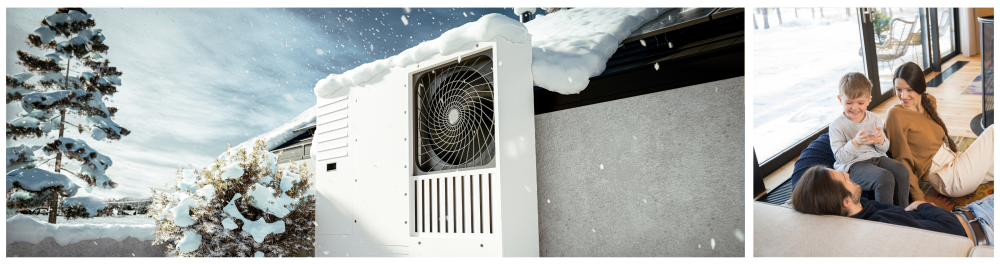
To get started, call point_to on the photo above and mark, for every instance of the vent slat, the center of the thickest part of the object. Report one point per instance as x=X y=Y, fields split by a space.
x=453 y=204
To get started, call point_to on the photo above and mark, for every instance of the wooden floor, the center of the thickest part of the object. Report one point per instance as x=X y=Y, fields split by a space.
x=955 y=109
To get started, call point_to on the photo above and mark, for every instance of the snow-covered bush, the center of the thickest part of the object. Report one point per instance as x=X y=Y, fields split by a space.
x=242 y=205
x=71 y=81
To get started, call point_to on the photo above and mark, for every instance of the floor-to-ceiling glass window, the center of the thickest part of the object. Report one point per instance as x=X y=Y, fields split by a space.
x=801 y=53
x=946 y=30
x=799 y=56
x=898 y=39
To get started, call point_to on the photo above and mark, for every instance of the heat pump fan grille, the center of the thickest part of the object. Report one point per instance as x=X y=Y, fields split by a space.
x=454 y=117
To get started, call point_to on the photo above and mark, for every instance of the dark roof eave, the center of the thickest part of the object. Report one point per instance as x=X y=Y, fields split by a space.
x=718 y=13
x=312 y=126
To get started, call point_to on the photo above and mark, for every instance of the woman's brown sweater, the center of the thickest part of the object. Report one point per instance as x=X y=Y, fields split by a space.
x=915 y=139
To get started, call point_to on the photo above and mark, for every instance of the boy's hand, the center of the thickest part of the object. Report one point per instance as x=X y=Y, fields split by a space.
x=879 y=137
x=862 y=138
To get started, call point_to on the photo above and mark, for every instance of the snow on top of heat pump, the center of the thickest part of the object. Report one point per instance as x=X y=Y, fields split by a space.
x=486 y=28
x=568 y=47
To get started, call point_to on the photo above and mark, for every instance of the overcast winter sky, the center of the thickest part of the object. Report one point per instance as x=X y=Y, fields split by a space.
x=195 y=80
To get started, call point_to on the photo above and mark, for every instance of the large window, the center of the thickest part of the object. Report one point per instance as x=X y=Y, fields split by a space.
x=799 y=56
x=946 y=23
x=898 y=40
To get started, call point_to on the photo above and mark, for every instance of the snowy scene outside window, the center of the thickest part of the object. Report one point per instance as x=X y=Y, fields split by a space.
x=798 y=60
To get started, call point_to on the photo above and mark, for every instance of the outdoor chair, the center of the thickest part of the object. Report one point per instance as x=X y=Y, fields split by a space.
x=896 y=44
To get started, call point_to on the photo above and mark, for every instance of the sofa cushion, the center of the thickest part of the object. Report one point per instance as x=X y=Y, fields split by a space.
x=985 y=251
x=783 y=232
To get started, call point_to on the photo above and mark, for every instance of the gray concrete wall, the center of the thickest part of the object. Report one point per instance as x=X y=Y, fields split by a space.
x=654 y=175
x=104 y=247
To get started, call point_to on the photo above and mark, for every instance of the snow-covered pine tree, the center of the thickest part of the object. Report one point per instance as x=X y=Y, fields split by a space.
x=72 y=79
x=242 y=205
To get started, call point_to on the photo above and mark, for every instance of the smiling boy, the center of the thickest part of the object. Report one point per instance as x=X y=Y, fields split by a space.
x=861 y=152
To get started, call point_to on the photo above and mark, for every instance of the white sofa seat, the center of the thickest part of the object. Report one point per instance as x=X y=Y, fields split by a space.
x=780 y=231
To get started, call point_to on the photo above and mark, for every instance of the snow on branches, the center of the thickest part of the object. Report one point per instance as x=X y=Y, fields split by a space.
x=37 y=179
x=31 y=188
x=70 y=77
x=19 y=157
x=242 y=205
x=93 y=164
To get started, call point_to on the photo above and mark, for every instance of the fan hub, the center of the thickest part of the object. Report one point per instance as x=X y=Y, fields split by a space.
x=453 y=116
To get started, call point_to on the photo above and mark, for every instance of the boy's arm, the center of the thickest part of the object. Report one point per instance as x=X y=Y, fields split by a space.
x=881 y=148
x=840 y=143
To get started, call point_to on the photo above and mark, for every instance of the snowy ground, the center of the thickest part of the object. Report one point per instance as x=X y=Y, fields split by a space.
x=796 y=69
x=119 y=220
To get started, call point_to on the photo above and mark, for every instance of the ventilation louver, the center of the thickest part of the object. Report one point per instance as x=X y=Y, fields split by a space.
x=455 y=115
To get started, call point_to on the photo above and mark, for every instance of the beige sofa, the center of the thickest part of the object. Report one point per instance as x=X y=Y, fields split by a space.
x=780 y=231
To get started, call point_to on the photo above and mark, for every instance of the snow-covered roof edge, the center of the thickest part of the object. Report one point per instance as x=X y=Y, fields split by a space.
x=486 y=28
x=283 y=133
x=571 y=46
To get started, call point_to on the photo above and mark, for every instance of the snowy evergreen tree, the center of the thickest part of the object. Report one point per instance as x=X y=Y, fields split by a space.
x=242 y=205
x=72 y=79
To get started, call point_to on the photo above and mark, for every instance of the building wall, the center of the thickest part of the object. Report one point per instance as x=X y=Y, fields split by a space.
x=660 y=174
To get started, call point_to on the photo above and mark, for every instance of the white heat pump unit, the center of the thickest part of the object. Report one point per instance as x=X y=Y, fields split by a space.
x=432 y=159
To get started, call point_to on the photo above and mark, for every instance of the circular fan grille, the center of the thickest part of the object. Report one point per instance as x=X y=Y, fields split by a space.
x=455 y=115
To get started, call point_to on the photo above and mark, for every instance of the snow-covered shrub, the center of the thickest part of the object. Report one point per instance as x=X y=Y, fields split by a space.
x=242 y=205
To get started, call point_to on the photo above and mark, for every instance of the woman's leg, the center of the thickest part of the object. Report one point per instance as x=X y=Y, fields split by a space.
x=970 y=169
x=901 y=175
x=873 y=178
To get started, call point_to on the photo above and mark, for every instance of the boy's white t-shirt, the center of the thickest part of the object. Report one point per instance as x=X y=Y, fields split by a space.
x=842 y=130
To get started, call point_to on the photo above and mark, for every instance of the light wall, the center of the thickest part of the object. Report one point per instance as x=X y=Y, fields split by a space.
x=969 y=29
x=659 y=174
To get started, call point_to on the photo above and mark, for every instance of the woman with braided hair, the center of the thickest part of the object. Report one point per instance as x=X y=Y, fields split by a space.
x=920 y=141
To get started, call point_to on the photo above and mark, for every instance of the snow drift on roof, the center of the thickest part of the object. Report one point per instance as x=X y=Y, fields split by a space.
x=283 y=133
x=485 y=29
x=571 y=46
